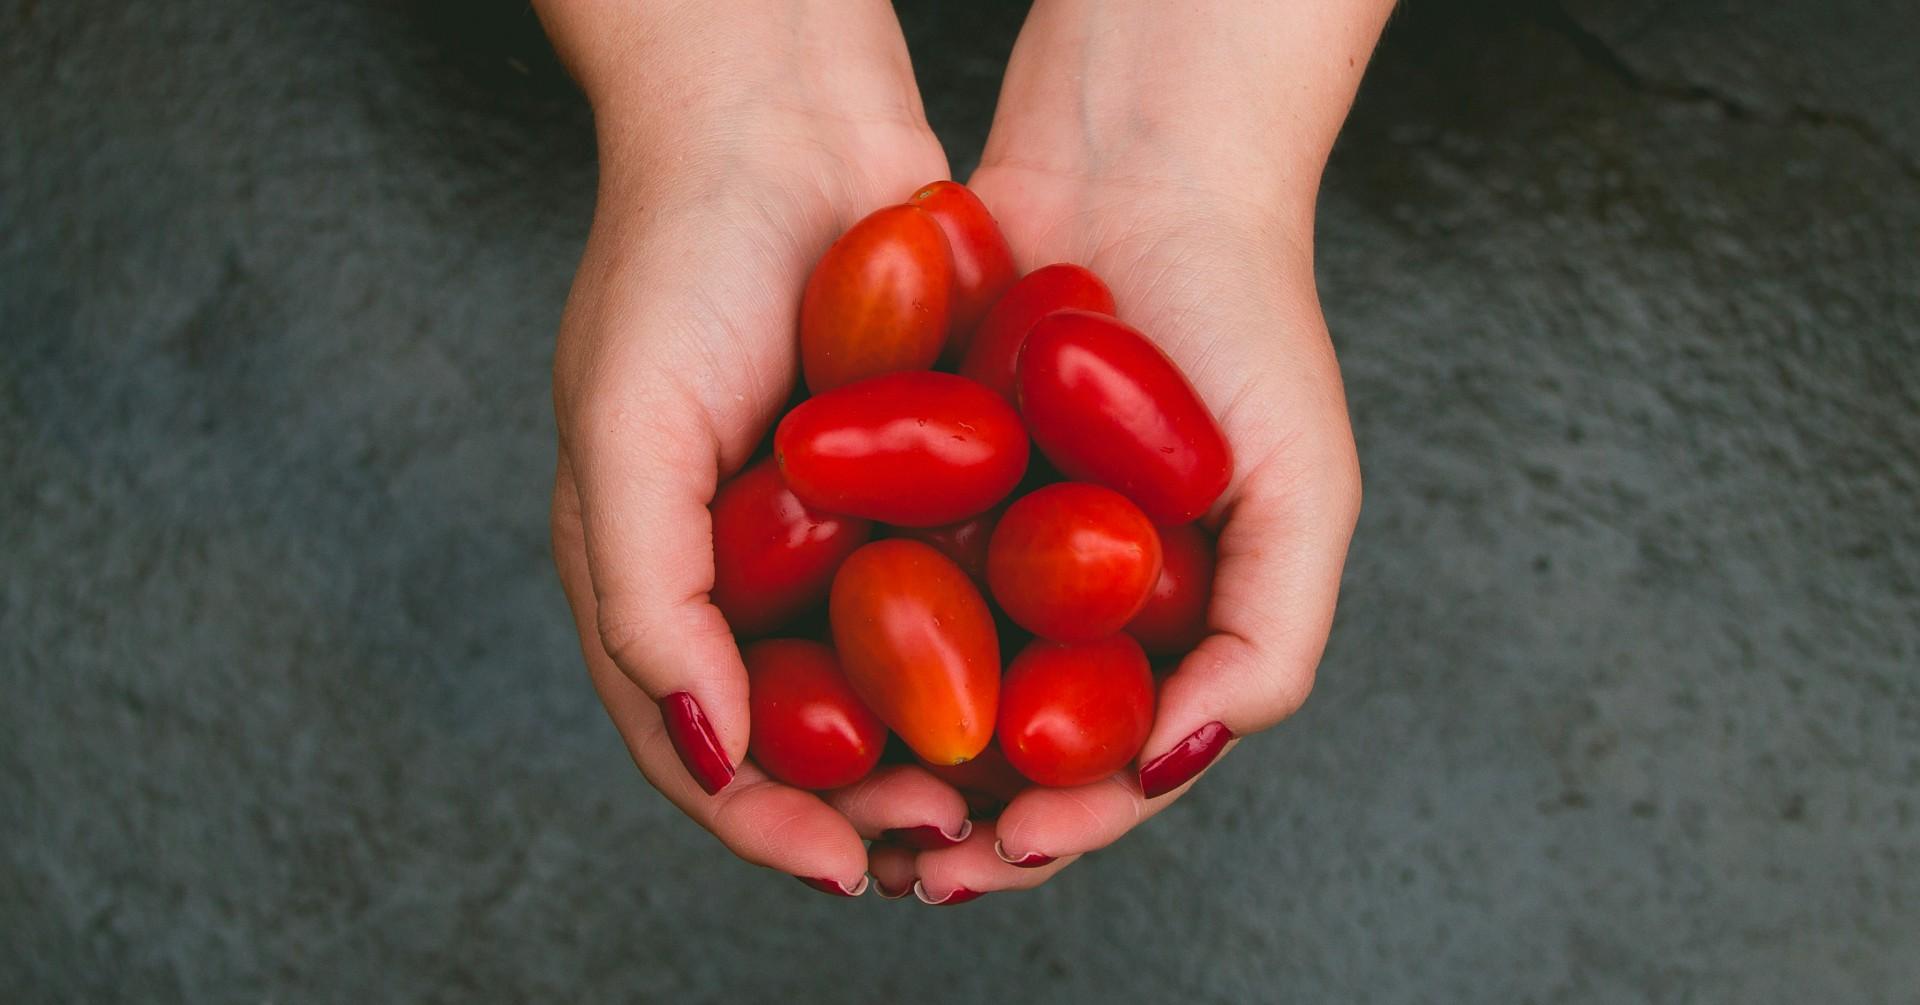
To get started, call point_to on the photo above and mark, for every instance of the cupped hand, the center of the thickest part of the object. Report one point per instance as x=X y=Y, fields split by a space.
x=1220 y=275
x=1174 y=151
x=676 y=352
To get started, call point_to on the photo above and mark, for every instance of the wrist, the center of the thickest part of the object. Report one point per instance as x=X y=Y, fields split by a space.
x=676 y=86
x=1237 y=97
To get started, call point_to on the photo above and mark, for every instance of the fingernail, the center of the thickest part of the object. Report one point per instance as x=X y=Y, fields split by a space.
x=885 y=894
x=960 y=895
x=694 y=740
x=834 y=887
x=1031 y=860
x=926 y=837
x=1188 y=758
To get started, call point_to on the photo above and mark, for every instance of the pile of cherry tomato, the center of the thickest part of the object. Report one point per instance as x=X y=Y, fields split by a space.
x=903 y=494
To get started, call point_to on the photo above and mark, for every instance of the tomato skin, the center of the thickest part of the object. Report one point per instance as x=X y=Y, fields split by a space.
x=990 y=358
x=964 y=542
x=1174 y=619
x=919 y=647
x=1073 y=562
x=987 y=782
x=809 y=728
x=982 y=262
x=1074 y=714
x=773 y=556
x=1106 y=405
x=878 y=301
x=913 y=449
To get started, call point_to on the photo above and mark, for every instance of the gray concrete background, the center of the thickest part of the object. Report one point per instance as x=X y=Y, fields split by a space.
x=1622 y=704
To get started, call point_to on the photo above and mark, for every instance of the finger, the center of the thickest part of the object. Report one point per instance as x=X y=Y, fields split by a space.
x=643 y=479
x=758 y=819
x=904 y=805
x=1281 y=550
x=1043 y=824
x=971 y=869
x=891 y=867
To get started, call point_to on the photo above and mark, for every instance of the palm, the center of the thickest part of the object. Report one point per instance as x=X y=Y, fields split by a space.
x=1233 y=303
x=710 y=292
x=1228 y=293
x=677 y=350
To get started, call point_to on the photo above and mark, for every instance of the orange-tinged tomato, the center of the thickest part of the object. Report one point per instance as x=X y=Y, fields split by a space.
x=918 y=645
x=987 y=782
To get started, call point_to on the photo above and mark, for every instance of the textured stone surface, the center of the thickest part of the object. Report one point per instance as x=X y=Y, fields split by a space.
x=1622 y=703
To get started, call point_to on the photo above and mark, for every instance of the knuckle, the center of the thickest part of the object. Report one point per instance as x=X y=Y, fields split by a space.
x=1351 y=489
x=556 y=535
x=627 y=635
x=564 y=530
x=1290 y=691
x=1282 y=684
x=595 y=409
x=755 y=827
x=1339 y=475
x=655 y=425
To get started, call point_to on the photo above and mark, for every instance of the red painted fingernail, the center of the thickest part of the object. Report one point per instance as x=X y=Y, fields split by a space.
x=886 y=894
x=834 y=887
x=1031 y=860
x=960 y=895
x=926 y=837
x=1188 y=758
x=694 y=740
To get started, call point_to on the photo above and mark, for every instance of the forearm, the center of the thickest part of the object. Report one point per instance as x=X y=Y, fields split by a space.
x=663 y=75
x=1243 y=91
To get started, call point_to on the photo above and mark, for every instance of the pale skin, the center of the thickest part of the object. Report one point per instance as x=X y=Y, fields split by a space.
x=1174 y=149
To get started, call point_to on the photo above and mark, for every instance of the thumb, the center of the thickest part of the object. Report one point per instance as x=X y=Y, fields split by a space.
x=644 y=472
x=1281 y=553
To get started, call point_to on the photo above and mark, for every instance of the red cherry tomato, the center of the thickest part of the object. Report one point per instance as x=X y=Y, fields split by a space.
x=982 y=262
x=995 y=347
x=773 y=557
x=808 y=727
x=915 y=449
x=1174 y=619
x=987 y=782
x=964 y=542
x=1106 y=405
x=1074 y=714
x=878 y=301
x=1073 y=562
x=919 y=647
